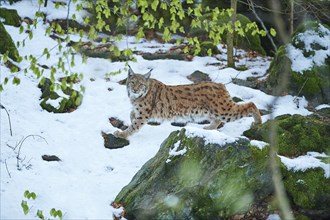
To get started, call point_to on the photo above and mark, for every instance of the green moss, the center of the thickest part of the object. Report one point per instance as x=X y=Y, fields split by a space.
x=10 y=17
x=296 y=134
x=308 y=189
x=7 y=45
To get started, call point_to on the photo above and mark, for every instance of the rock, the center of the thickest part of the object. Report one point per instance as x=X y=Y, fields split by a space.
x=163 y=56
x=312 y=82
x=153 y=123
x=105 y=51
x=179 y=124
x=207 y=182
x=250 y=82
x=189 y=179
x=7 y=45
x=64 y=23
x=10 y=17
x=50 y=158
x=308 y=190
x=236 y=99
x=112 y=142
x=68 y=102
x=198 y=77
x=296 y=134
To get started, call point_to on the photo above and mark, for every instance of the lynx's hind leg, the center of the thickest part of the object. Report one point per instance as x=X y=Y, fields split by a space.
x=250 y=109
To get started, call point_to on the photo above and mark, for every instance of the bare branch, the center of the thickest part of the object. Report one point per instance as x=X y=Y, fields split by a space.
x=3 y=107
x=251 y=6
x=7 y=169
x=20 y=147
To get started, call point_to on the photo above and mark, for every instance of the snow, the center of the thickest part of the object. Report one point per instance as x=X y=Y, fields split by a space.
x=210 y=136
x=273 y=217
x=174 y=152
x=308 y=161
x=301 y=63
x=88 y=177
x=259 y=144
x=322 y=106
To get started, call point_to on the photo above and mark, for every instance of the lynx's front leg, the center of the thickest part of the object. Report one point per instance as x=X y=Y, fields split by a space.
x=137 y=123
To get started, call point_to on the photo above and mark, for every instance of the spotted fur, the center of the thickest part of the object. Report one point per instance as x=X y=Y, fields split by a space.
x=151 y=99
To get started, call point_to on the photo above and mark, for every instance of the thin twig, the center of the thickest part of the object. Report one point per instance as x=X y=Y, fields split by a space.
x=251 y=5
x=7 y=169
x=20 y=147
x=3 y=107
x=301 y=89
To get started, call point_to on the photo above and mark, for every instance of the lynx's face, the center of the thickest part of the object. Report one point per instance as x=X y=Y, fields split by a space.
x=137 y=84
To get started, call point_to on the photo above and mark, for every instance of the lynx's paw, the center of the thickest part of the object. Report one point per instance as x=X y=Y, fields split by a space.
x=121 y=134
x=253 y=124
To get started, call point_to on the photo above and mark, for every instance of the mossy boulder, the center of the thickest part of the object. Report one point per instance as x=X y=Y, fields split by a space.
x=10 y=17
x=65 y=100
x=306 y=63
x=308 y=190
x=249 y=42
x=296 y=134
x=190 y=179
x=7 y=45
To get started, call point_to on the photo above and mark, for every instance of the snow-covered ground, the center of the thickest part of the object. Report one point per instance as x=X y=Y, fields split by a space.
x=88 y=177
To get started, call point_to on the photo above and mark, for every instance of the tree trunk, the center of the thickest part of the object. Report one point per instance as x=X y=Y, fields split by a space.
x=230 y=36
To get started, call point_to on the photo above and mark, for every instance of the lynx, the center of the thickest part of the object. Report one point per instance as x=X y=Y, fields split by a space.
x=151 y=99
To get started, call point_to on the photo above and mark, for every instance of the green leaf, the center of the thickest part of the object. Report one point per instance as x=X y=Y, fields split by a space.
x=63 y=84
x=40 y=215
x=59 y=214
x=25 y=207
x=163 y=6
x=33 y=195
x=26 y=193
x=77 y=101
x=209 y=52
x=154 y=5
x=272 y=32
x=21 y=29
x=30 y=35
x=16 y=81
x=52 y=212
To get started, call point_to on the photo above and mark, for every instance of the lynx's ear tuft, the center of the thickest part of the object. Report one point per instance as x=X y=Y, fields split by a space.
x=130 y=71
x=148 y=74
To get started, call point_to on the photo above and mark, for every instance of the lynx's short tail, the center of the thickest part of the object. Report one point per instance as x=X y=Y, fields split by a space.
x=249 y=109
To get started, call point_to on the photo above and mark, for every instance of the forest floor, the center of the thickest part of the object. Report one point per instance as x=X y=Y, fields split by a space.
x=87 y=179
